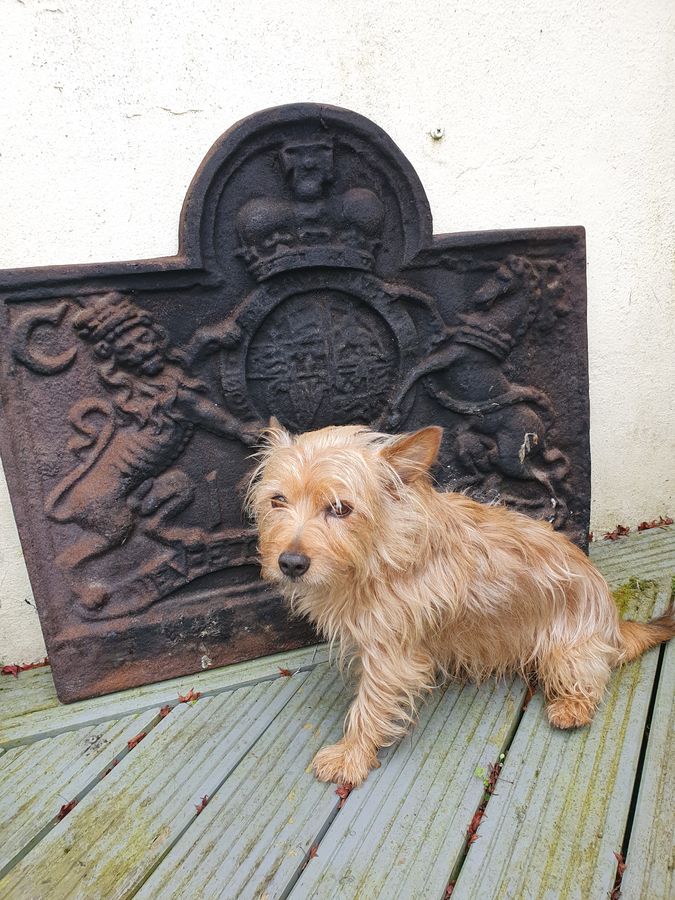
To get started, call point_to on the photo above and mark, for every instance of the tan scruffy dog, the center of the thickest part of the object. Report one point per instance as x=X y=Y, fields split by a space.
x=411 y=583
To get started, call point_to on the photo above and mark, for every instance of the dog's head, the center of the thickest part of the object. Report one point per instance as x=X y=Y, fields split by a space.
x=339 y=503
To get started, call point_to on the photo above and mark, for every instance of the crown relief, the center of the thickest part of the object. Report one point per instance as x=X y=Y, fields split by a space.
x=314 y=224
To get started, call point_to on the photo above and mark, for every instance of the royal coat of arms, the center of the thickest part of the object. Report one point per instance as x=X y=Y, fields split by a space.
x=308 y=286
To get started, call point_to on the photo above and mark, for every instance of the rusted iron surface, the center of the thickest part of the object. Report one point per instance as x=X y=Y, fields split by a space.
x=308 y=286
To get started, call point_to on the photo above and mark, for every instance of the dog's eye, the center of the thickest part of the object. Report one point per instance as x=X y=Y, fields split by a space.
x=340 y=509
x=278 y=501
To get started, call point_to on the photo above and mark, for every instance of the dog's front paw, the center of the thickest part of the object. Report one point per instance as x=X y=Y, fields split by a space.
x=344 y=763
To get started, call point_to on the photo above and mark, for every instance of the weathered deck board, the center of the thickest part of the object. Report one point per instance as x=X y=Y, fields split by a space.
x=254 y=835
x=29 y=708
x=122 y=828
x=650 y=870
x=647 y=554
x=233 y=851
x=562 y=800
x=37 y=780
x=401 y=833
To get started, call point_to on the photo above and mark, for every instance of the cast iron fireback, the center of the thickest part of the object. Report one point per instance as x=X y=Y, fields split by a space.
x=308 y=286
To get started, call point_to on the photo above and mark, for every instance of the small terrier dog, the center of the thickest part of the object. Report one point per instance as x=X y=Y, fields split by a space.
x=412 y=583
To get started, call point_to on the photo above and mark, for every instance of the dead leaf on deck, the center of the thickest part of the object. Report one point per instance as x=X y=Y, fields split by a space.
x=135 y=741
x=619 y=531
x=165 y=710
x=285 y=672
x=472 y=830
x=189 y=697
x=200 y=806
x=14 y=669
x=494 y=772
x=655 y=523
x=110 y=768
x=620 y=869
x=313 y=850
x=65 y=809
x=343 y=791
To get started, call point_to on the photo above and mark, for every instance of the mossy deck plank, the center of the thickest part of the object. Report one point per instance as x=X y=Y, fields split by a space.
x=29 y=708
x=37 y=780
x=254 y=835
x=122 y=828
x=562 y=801
x=646 y=554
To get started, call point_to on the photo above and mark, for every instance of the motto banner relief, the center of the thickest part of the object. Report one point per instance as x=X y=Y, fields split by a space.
x=308 y=286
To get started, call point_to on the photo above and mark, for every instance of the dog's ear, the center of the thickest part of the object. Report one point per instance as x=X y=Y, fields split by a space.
x=412 y=455
x=275 y=434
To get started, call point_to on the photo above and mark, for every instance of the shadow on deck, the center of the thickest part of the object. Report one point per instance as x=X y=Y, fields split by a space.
x=139 y=795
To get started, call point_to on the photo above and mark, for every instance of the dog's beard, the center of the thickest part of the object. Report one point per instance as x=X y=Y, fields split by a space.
x=322 y=574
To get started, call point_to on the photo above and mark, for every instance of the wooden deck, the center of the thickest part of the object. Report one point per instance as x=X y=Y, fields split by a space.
x=564 y=803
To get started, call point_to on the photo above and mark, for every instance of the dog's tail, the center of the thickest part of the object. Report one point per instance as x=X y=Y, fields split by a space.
x=640 y=636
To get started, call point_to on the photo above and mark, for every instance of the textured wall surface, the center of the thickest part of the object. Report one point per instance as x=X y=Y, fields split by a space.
x=551 y=115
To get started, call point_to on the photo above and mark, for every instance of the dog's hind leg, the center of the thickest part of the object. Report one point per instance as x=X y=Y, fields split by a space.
x=574 y=678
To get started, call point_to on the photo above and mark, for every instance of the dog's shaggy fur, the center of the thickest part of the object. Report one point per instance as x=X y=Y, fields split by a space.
x=410 y=583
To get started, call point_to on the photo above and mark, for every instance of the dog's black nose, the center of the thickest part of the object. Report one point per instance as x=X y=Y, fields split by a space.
x=293 y=565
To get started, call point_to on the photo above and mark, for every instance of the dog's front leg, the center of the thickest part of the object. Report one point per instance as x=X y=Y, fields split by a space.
x=383 y=708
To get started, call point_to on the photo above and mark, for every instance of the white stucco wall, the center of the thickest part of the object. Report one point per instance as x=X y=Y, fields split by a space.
x=554 y=114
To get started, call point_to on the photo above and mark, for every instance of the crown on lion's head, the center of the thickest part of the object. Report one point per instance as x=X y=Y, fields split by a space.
x=117 y=327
